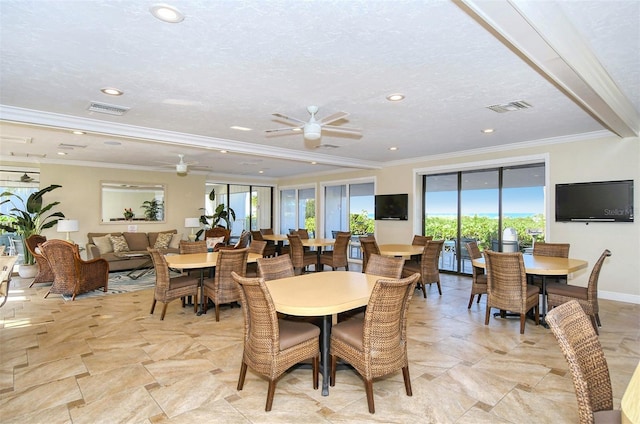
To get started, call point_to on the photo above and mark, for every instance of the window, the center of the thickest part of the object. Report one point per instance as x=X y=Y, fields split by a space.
x=251 y=204
x=501 y=208
x=298 y=209
x=349 y=207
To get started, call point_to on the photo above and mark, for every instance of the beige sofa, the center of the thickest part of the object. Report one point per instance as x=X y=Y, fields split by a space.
x=137 y=243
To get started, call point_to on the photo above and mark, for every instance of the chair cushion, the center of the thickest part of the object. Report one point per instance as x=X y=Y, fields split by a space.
x=350 y=331
x=182 y=281
x=567 y=290
x=103 y=244
x=163 y=240
x=119 y=244
x=532 y=290
x=607 y=417
x=293 y=333
x=411 y=268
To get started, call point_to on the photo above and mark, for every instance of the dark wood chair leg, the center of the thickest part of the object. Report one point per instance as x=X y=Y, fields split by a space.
x=470 y=301
x=164 y=311
x=270 y=393
x=243 y=373
x=407 y=380
x=332 y=379
x=479 y=296
x=486 y=317
x=523 y=317
x=217 y=312
x=153 y=306
x=439 y=288
x=368 y=387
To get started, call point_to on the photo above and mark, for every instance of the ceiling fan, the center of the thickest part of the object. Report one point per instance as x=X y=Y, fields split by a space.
x=182 y=167
x=313 y=128
x=24 y=178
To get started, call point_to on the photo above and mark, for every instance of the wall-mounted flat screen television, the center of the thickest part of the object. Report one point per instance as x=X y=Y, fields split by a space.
x=392 y=207
x=601 y=201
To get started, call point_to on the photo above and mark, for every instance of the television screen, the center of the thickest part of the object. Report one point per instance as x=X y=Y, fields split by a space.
x=392 y=207
x=602 y=201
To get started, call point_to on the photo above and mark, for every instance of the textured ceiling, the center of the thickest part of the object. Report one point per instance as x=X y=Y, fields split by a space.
x=238 y=62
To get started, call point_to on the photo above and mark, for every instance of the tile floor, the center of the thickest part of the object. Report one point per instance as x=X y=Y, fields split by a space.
x=107 y=360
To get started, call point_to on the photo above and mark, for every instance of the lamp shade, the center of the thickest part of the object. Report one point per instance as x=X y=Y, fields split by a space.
x=67 y=226
x=191 y=222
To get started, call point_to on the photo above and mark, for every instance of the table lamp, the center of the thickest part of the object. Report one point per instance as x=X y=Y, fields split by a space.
x=67 y=226
x=192 y=223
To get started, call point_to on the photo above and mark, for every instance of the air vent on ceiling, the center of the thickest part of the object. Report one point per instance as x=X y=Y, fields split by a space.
x=107 y=108
x=17 y=140
x=67 y=146
x=326 y=146
x=510 y=107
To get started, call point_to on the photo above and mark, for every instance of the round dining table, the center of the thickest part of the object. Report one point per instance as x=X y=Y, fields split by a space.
x=404 y=250
x=322 y=294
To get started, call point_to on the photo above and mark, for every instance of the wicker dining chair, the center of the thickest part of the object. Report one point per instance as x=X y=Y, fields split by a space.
x=419 y=240
x=369 y=247
x=257 y=247
x=587 y=297
x=192 y=246
x=272 y=345
x=428 y=266
x=275 y=268
x=338 y=257
x=221 y=289
x=507 y=287
x=299 y=257
x=72 y=274
x=45 y=273
x=479 y=278
x=217 y=232
x=167 y=288
x=587 y=363
x=377 y=344
x=559 y=250
x=385 y=266
x=270 y=247
x=242 y=243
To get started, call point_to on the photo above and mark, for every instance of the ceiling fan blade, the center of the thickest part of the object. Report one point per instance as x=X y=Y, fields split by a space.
x=284 y=129
x=345 y=130
x=333 y=118
x=286 y=118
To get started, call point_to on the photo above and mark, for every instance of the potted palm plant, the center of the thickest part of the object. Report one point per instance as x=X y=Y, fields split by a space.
x=29 y=217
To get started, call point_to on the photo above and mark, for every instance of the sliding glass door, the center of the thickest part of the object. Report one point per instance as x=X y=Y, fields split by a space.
x=500 y=208
x=298 y=209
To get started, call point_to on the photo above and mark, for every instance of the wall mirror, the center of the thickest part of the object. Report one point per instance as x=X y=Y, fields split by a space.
x=123 y=202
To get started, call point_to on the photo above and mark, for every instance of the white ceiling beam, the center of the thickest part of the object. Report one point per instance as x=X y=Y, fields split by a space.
x=54 y=120
x=541 y=33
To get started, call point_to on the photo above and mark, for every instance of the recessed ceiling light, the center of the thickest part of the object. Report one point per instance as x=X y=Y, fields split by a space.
x=395 y=97
x=236 y=127
x=393 y=148
x=487 y=131
x=78 y=132
x=112 y=143
x=223 y=151
x=314 y=163
x=62 y=153
x=166 y=13
x=261 y=172
x=112 y=91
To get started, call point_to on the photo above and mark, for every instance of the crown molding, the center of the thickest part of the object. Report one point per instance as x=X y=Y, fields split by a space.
x=59 y=121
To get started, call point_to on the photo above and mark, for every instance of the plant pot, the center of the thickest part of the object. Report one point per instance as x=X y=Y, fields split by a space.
x=27 y=271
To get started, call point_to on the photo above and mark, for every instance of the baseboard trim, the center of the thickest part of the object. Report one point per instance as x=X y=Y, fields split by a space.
x=619 y=297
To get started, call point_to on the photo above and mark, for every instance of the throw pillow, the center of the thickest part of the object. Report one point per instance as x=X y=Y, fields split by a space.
x=119 y=244
x=175 y=241
x=103 y=244
x=212 y=241
x=163 y=240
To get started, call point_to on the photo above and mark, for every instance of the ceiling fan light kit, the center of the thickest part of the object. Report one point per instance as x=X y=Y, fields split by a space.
x=312 y=129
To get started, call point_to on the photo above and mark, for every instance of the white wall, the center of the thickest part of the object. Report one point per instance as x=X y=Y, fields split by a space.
x=588 y=159
x=79 y=197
